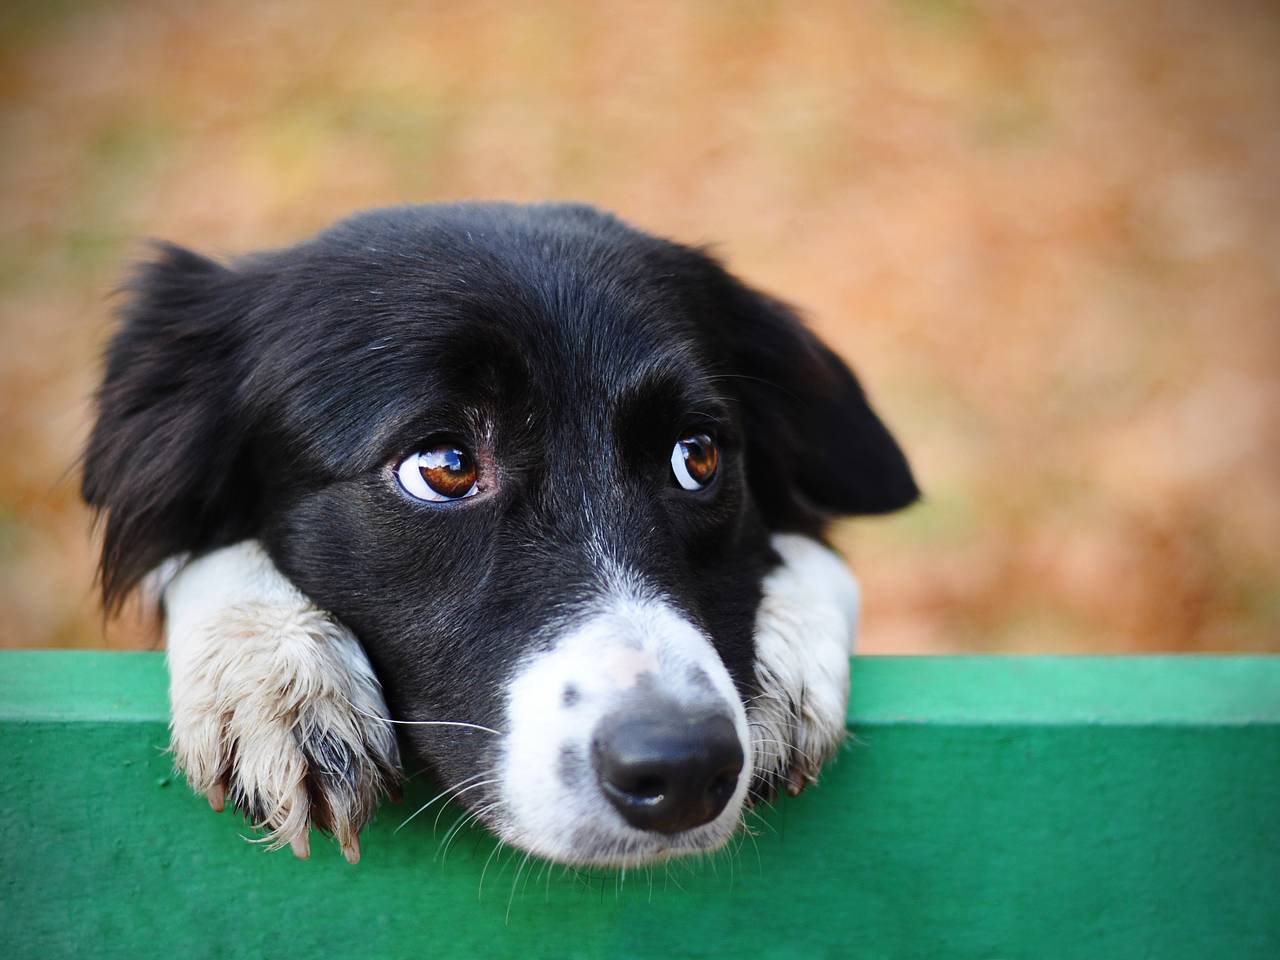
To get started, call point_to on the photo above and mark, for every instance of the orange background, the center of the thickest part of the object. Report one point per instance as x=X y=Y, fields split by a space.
x=1046 y=235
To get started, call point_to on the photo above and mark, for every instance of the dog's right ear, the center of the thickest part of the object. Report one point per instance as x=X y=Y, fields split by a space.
x=164 y=464
x=815 y=447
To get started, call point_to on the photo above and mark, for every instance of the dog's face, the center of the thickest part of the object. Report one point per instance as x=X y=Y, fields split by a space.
x=534 y=459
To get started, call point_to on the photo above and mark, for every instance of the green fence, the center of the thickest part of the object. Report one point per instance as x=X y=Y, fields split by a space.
x=986 y=808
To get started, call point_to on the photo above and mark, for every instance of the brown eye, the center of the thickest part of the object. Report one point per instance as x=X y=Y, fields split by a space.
x=694 y=460
x=444 y=472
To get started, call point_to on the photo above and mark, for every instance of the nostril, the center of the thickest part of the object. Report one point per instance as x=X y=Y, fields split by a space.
x=648 y=788
x=724 y=783
x=627 y=785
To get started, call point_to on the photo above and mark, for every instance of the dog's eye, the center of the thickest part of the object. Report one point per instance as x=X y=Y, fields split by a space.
x=694 y=460
x=444 y=472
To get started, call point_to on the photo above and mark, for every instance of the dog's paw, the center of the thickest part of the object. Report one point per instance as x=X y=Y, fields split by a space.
x=275 y=706
x=805 y=629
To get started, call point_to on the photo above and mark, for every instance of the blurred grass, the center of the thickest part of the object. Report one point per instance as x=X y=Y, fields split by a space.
x=1048 y=236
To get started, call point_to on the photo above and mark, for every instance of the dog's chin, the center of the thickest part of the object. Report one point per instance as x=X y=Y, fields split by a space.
x=619 y=847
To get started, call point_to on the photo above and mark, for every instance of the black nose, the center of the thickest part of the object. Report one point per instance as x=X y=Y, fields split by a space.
x=664 y=770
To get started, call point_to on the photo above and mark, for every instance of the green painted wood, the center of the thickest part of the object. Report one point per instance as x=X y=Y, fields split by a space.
x=988 y=808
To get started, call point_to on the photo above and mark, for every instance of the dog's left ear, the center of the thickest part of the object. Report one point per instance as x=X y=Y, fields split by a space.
x=165 y=460
x=814 y=446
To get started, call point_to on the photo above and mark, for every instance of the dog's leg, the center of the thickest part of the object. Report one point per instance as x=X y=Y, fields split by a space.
x=805 y=628
x=274 y=703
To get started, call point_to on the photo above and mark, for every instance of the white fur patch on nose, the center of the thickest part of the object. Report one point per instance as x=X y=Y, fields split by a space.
x=625 y=647
x=623 y=667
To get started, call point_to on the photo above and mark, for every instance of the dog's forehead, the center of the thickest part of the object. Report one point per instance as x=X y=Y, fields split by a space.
x=434 y=327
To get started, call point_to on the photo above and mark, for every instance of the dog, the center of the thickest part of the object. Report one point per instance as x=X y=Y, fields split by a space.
x=540 y=492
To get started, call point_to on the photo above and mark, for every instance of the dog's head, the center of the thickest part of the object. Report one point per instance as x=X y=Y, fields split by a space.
x=538 y=461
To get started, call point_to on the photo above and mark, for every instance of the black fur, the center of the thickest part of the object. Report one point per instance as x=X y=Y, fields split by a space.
x=272 y=399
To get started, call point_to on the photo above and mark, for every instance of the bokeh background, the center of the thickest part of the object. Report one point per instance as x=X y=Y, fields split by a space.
x=1047 y=235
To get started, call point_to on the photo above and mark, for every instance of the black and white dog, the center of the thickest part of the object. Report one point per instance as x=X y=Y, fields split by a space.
x=546 y=490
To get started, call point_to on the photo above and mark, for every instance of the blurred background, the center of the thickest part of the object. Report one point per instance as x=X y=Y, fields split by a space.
x=1046 y=235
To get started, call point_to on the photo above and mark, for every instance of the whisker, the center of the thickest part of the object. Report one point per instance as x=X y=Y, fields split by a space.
x=480 y=889
x=448 y=834
x=422 y=723
x=789 y=746
x=443 y=793
x=760 y=798
x=514 y=882
x=672 y=879
x=440 y=813
x=462 y=823
x=742 y=376
x=759 y=863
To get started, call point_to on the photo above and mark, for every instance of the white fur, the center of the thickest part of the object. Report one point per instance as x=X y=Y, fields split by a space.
x=265 y=690
x=602 y=656
x=805 y=630
x=257 y=671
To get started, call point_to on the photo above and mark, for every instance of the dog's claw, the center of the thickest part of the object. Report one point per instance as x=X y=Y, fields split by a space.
x=797 y=780
x=351 y=850
x=217 y=796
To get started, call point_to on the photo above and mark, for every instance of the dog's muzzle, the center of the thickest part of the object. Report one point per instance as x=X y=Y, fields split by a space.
x=626 y=741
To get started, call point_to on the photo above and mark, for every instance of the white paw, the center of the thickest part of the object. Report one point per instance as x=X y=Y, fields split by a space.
x=805 y=629
x=274 y=703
